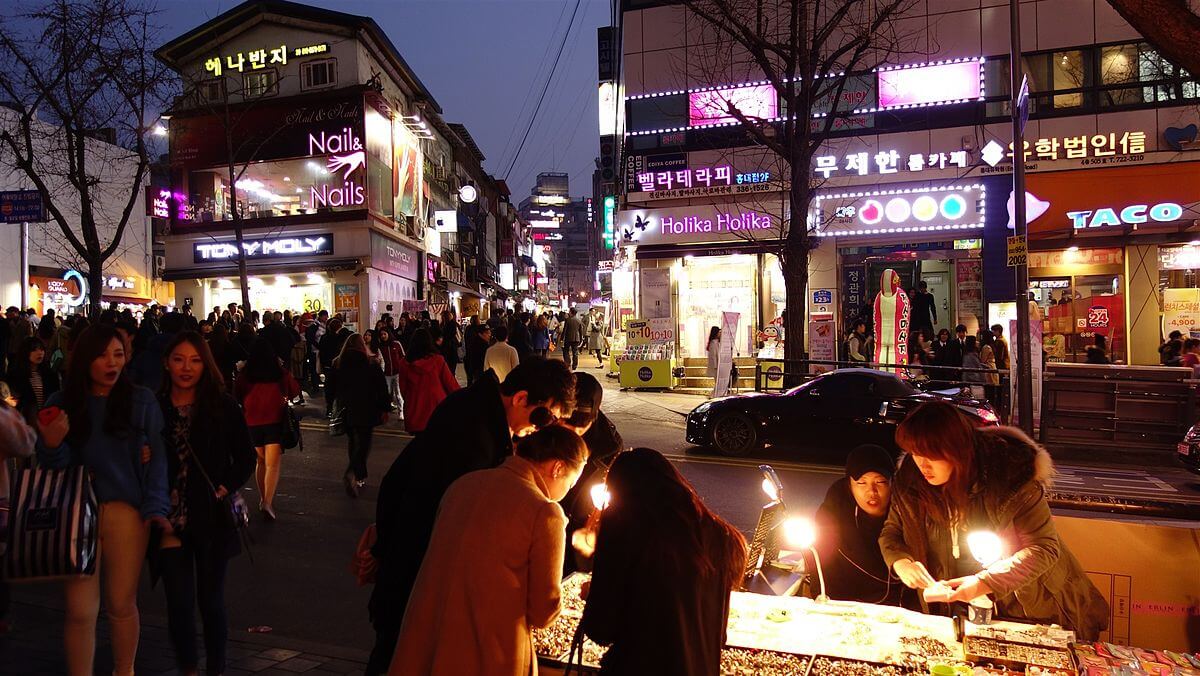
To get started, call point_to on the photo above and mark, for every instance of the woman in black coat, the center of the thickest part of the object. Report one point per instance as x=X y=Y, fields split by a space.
x=30 y=377
x=450 y=341
x=209 y=457
x=663 y=570
x=362 y=393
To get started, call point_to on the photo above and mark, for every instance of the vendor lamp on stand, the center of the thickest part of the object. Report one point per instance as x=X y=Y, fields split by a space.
x=802 y=534
x=764 y=544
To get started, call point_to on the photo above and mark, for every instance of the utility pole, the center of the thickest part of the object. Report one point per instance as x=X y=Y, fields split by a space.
x=1024 y=375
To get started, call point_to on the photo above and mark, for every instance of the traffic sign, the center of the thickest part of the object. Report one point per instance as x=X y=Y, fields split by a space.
x=1018 y=251
x=22 y=206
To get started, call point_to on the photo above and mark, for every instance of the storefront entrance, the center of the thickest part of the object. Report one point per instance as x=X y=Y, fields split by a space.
x=298 y=293
x=709 y=286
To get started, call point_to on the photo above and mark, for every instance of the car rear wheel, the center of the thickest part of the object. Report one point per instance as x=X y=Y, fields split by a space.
x=735 y=435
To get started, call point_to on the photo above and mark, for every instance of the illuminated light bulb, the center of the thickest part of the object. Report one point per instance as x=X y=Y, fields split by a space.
x=769 y=488
x=985 y=546
x=283 y=280
x=800 y=533
x=600 y=496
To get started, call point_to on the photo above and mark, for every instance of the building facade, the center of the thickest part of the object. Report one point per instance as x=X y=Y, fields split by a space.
x=916 y=178
x=308 y=128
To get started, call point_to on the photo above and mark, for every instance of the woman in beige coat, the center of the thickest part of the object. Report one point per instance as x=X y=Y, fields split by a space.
x=491 y=574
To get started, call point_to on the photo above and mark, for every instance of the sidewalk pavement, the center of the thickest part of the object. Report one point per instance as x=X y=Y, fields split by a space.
x=34 y=646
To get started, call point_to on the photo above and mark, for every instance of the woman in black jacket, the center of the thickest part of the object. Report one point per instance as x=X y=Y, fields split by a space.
x=663 y=570
x=362 y=393
x=209 y=457
x=450 y=341
x=30 y=377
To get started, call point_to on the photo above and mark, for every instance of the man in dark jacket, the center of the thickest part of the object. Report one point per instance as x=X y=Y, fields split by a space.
x=312 y=337
x=278 y=335
x=603 y=443
x=328 y=350
x=147 y=366
x=478 y=339
x=533 y=395
x=572 y=336
x=924 y=310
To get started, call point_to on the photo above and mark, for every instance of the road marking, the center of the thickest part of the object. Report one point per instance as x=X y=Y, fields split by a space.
x=754 y=463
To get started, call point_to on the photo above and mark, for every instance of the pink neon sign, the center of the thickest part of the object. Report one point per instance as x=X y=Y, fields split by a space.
x=712 y=106
x=927 y=85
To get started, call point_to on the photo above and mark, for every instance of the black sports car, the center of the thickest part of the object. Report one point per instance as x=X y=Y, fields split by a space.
x=1189 y=449
x=833 y=411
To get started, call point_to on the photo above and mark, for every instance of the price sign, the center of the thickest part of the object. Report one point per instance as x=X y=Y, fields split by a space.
x=1018 y=251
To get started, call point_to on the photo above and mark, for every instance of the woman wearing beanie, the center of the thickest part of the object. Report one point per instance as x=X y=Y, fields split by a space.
x=848 y=527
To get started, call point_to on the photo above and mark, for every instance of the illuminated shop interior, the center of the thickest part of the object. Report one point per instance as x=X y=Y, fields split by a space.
x=311 y=292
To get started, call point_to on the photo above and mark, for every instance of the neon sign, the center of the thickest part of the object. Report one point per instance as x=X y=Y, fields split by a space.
x=609 y=217
x=275 y=247
x=76 y=301
x=902 y=211
x=1133 y=214
x=1080 y=147
x=346 y=154
x=258 y=58
x=888 y=162
x=943 y=82
x=711 y=107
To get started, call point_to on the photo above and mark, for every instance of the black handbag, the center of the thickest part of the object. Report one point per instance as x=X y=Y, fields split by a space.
x=337 y=420
x=291 y=430
x=234 y=514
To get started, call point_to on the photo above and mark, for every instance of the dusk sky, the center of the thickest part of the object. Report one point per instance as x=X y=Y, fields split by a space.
x=485 y=61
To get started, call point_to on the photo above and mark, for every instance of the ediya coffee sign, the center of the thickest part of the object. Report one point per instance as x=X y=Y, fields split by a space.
x=702 y=223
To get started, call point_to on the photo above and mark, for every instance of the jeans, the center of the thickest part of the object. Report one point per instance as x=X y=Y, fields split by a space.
x=123 y=537
x=393 y=384
x=194 y=575
x=358 y=447
x=571 y=355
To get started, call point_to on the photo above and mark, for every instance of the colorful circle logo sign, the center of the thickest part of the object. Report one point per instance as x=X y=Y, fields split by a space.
x=953 y=207
x=645 y=374
x=925 y=208
x=897 y=210
x=774 y=374
x=871 y=212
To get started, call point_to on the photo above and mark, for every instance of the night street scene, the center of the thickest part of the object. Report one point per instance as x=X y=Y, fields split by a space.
x=625 y=337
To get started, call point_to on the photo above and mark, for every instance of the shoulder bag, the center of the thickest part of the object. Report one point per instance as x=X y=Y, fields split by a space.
x=54 y=528
x=291 y=426
x=234 y=515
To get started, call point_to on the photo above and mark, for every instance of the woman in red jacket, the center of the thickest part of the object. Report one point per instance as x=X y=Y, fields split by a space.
x=264 y=387
x=425 y=380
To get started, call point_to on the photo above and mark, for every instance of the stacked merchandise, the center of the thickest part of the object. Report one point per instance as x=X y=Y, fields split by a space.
x=1103 y=659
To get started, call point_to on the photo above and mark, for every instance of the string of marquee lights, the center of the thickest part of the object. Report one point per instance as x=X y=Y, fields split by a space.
x=904 y=229
x=780 y=118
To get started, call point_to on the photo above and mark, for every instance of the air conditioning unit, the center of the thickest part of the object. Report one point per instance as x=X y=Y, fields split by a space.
x=160 y=266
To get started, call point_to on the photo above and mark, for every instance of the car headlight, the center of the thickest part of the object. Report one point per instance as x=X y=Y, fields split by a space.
x=702 y=408
x=1193 y=435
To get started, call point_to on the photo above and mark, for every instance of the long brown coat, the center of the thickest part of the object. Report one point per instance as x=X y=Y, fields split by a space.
x=1040 y=581
x=490 y=576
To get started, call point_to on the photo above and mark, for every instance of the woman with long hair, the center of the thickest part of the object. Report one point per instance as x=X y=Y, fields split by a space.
x=959 y=479
x=475 y=615
x=370 y=341
x=30 y=377
x=264 y=388
x=392 y=353
x=104 y=422
x=209 y=457
x=362 y=394
x=663 y=570
x=425 y=380
x=539 y=336
x=451 y=340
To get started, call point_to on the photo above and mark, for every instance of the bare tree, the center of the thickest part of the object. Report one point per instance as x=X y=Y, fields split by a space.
x=1172 y=26
x=84 y=92
x=811 y=52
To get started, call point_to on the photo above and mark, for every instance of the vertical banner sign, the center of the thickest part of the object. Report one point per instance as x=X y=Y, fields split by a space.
x=606 y=53
x=1035 y=349
x=656 y=293
x=892 y=310
x=822 y=345
x=969 y=273
x=729 y=325
x=346 y=302
x=854 y=291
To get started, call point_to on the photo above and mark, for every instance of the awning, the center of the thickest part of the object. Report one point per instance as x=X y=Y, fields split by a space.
x=281 y=267
x=451 y=286
x=723 y=249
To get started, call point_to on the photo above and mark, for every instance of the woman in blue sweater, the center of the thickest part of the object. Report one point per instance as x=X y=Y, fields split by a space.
x=114 y=428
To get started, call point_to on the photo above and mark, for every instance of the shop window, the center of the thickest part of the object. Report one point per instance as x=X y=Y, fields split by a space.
x=318 y=74
x=657 y=112
x=262 y=83
x=280 y=188
x=1077 y=309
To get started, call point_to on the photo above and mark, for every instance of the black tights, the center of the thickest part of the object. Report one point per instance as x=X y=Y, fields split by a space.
x=194 y=575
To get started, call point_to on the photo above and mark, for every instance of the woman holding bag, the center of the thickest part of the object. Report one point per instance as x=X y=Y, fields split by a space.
x=264 y=388
x=209 y=457
x=102 y=421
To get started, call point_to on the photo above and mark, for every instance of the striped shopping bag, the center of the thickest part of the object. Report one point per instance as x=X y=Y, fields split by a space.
x=53 y=525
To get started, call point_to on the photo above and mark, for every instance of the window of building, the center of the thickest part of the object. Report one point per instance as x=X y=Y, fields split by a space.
x=262 y=83
x=657 y=112
x=211 y=90
x=318 y=74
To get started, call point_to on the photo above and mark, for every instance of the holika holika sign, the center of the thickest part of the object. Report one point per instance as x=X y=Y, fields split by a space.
x=271 y=247
x=759 y=221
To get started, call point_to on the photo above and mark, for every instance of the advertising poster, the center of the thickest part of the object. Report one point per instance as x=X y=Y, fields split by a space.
x=1181 y=311
x=854 y=292
x=656 y=293
x=729 y=325
x=822 y=345
x=1035 y=349
x=969 y=274
x=346 y=301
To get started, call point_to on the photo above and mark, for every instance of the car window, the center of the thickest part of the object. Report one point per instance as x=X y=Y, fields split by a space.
x=846 y=385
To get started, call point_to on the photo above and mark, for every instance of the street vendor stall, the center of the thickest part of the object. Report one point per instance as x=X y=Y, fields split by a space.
x=648 y=359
